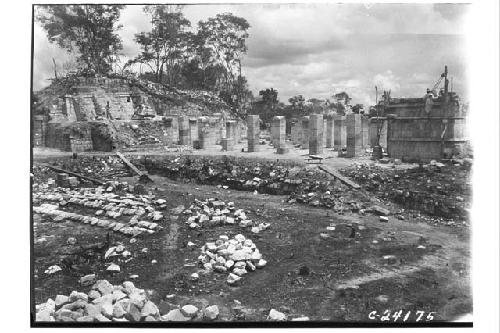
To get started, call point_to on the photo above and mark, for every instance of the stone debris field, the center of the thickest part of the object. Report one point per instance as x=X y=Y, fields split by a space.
x=229 y=238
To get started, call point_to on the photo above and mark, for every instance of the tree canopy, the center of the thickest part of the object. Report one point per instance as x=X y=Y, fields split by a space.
x=166 y=46
x=89 y=31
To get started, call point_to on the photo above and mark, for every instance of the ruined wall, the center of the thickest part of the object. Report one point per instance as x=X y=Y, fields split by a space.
x=69 y=138
x=420 y=134
x=39 y=131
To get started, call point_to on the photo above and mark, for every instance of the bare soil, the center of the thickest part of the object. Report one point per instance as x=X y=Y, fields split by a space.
x=339 y=277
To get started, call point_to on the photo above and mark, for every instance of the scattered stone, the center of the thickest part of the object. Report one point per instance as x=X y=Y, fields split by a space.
x=189 y=310
x=75 y=296
x=304 y=318
x=53 y=269
x=118 y=310
x=211 y=312
x=382 y=298
x=93 y=294
x=103 y=286
x=107 y=310
x=133 y=312
x=175 y=315
x=71 y=241
x=276 y=315
x=150 y=309
x=87 y=280
x=113 y=268
x=60 y=300
x=390 y=259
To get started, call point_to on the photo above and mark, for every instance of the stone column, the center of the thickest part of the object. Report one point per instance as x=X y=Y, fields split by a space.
x=354 y=135
x=365 y=131
x=293 y=131
x=329 y=131
x=231 y=129
x=253 y=132
x=339 y=132
x=172 y=126
x=316 y=134
x=305 y=132
x=193 y=130
x=278 y=131
x=229 y=141
x=324 y=131
x=203 y=131
x=184 y=130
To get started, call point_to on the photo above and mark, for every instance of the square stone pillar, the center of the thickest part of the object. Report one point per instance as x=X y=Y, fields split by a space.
x=329 y=131
x=316 y=134
x=278 y=131
x=305 y=132
x=354 y=135
x=184 y=131
x=365 y=131
x=231 y=127
x=172 y=129
x=339 y=132
x=227 y=144
x=324 y=131
x=253 y=133
x=193 y=130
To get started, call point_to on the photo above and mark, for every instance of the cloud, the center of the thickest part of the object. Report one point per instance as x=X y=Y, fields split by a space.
x=386 y=81
x=318 y=49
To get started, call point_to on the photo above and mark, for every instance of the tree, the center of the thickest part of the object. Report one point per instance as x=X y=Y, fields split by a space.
x=358 y=108
x=269 y=97
x=221 y=41
x=88 y=30
x=165 y=48
x=297 y=101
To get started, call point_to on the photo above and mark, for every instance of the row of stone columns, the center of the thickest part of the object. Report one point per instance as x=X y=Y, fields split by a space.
x=314 y=133
x=202 y=132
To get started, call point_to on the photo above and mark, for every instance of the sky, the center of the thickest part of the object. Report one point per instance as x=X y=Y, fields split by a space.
x=317 y=50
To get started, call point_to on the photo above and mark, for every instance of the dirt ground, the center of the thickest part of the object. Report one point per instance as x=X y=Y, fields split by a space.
x=335 y=275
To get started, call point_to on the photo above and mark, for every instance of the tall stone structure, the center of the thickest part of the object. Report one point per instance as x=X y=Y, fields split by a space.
x=329 y=131
x=354 y=135
x=316 y=125
x=305 y=132
x=231 y=128
x=253 y=133
x=193 y=130
x=339 y=132
x=229 y=141
x=295 y=131
x=324 y=131
x=278 y=131
x=365 y=131
x=184 y=131
x=172 y=128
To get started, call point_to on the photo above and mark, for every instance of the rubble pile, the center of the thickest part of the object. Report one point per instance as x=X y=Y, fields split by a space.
x=213 y=212
x=99 y=167
x=195 y=98
x=311 y=187
x=115 y=303
x=236 y=257
x=246 y=175
x=337 y=198
x=127 y=213
x=436 y=189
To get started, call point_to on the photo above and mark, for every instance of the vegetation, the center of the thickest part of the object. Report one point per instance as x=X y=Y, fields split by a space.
x=87 y=30
x=175 y=54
